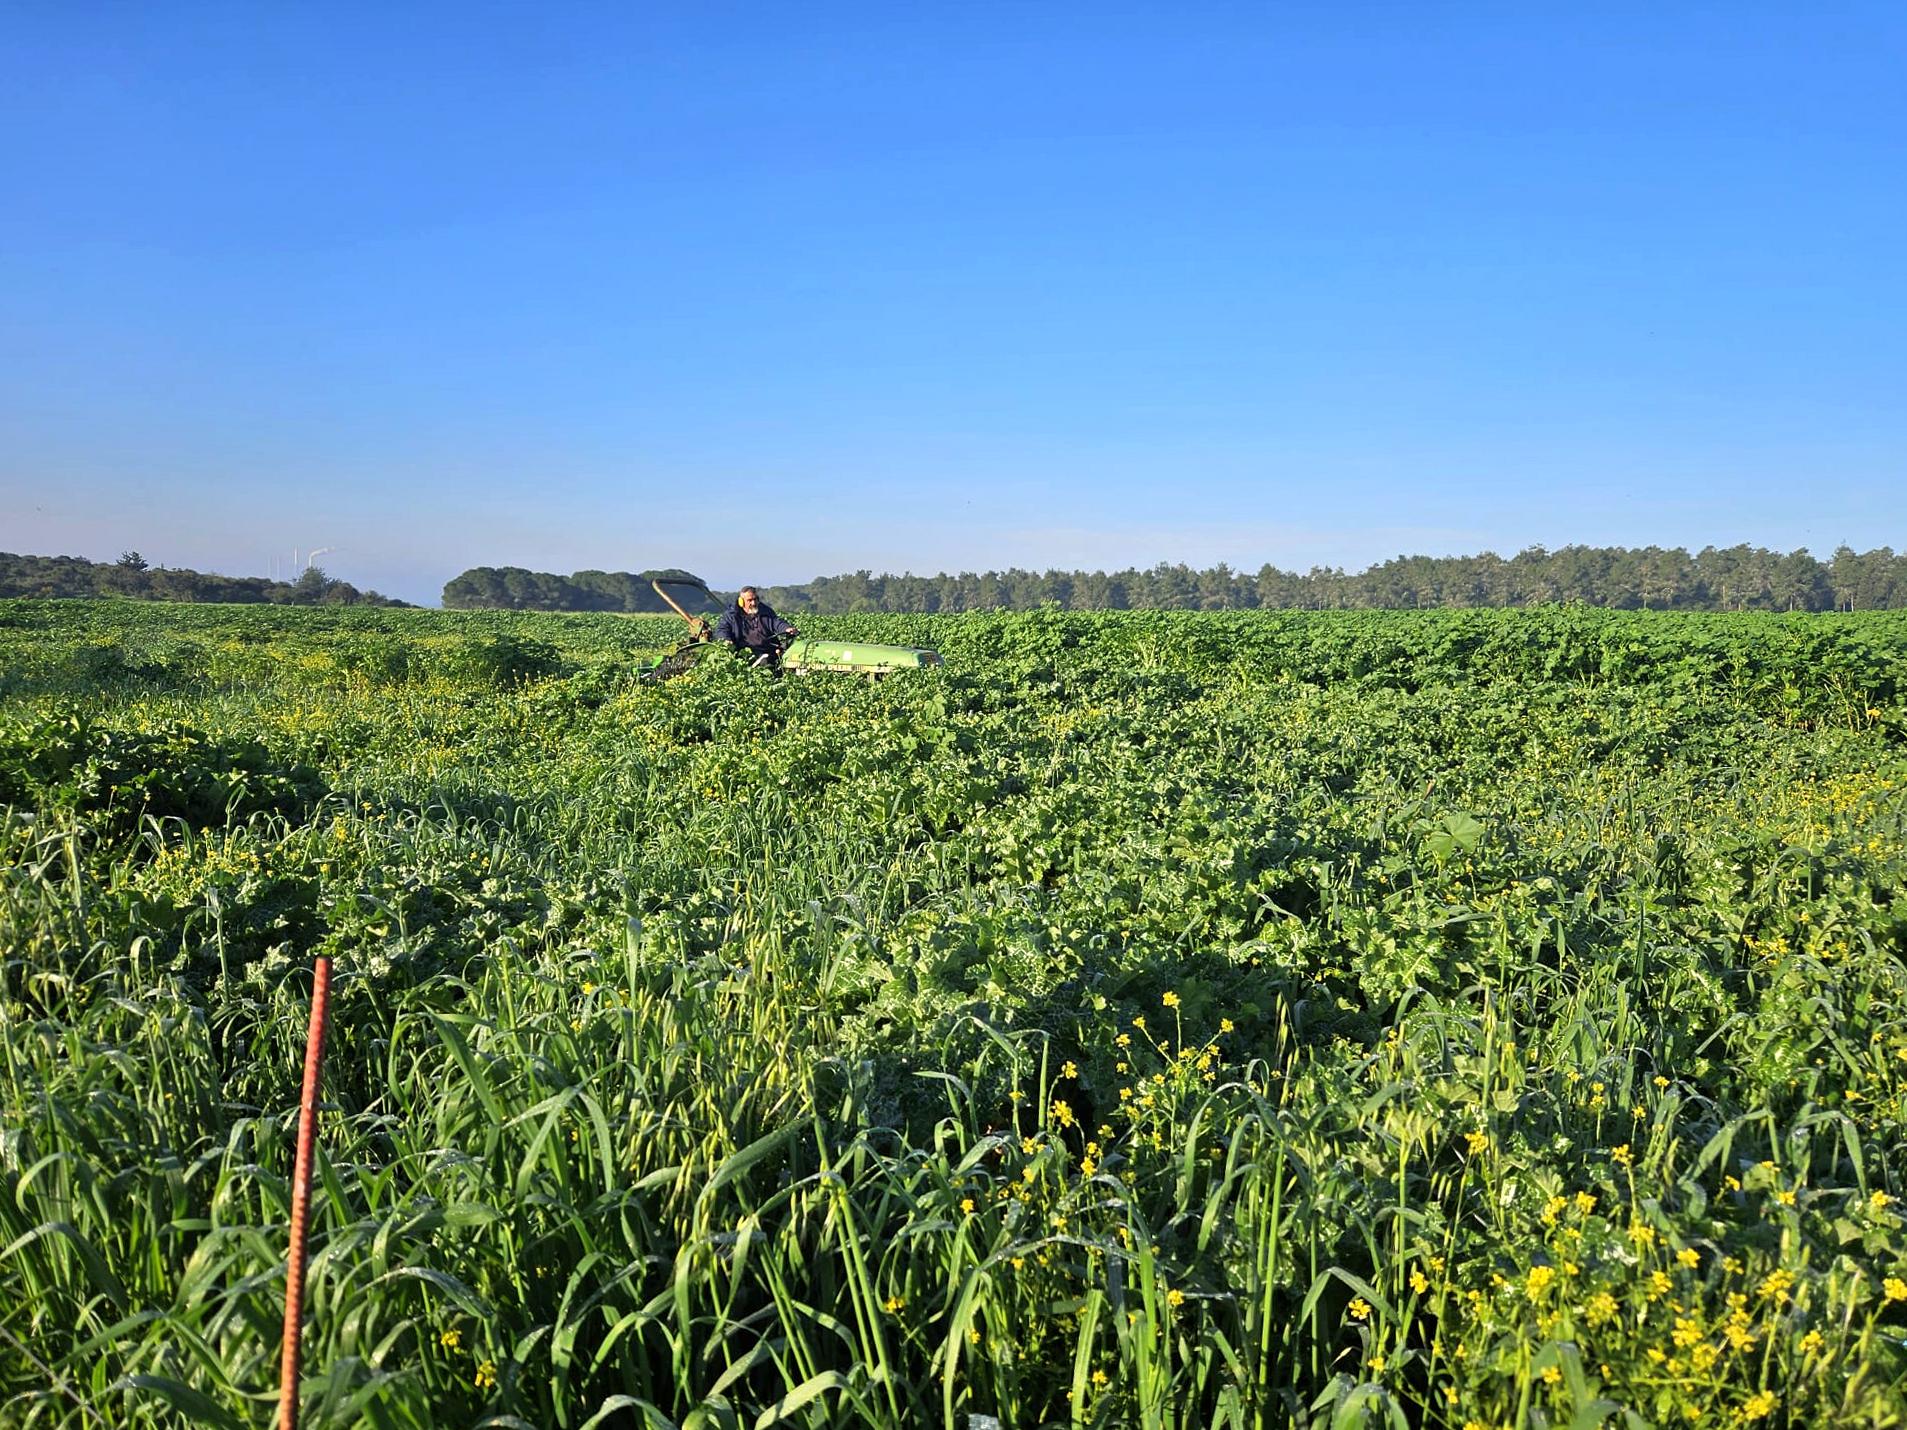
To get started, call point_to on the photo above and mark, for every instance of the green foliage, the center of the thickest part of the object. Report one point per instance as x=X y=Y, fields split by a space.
x=1738 y=578
x=504 y=660
x=114 y=779
x=1176 y=1019
x=131 y=576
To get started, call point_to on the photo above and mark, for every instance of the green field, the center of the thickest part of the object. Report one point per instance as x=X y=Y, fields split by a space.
x=1157 y=1019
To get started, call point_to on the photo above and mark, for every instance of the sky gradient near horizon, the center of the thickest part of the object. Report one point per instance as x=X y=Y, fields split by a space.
x=771 y=292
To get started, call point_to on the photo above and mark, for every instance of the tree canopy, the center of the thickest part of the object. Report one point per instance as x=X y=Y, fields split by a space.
x=1730 y=578
x=131 y=576
x=512 y=588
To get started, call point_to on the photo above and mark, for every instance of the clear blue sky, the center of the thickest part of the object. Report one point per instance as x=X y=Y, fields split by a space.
x=774 y=291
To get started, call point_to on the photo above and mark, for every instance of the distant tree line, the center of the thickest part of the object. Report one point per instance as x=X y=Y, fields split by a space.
x=512 y=588
x=1735 y=578
x=131 y=576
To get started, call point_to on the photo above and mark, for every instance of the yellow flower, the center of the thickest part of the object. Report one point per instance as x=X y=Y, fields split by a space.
x=966 y=1205
x=1812 y=1342
x=1140 y=1022
x=1894 y=1288
x=486 y=1375
x=1175 y=1298
x=1641 y=1235
x=893 y=1304
x=1419 y=1282
x=1170 y=999
x=1069 y=1068
x=1621 y=1156
x=1377 y=1363
x=1360 y=1309
x=1225 y=1025
x=1689 y=1257
x=1539 y=1281
x=1601 y=1307
x=450 y=1339
x=1879 y=1201
x=973 y=1337
x=1101 y=1380
x=1759 y=1406
x=1552 y=1375
x=1585 y=1202
x=1776 y=1285
x=1477 y=1143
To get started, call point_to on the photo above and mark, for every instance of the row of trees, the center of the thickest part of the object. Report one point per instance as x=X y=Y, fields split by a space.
x=512 y=588
x=1734 y=578
x=131 y=576
x=1730 y=578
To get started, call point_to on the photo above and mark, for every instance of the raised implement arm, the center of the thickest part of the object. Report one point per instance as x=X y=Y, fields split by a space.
x=698 y=628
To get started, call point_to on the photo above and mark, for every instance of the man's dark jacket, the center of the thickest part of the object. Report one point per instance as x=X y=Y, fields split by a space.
x=756 y=632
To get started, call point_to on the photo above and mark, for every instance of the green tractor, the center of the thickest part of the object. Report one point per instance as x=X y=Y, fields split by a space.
x=800 y=656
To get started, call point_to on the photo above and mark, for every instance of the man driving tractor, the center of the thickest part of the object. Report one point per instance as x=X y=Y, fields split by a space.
x=751 y=625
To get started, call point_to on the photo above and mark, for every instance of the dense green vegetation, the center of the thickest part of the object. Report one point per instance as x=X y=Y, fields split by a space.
x=1451 y=1019
x=512 y=588
x=1735 y=578
x=132 y=577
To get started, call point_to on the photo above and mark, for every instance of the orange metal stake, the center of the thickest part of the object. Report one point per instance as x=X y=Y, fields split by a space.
x=301 y=1197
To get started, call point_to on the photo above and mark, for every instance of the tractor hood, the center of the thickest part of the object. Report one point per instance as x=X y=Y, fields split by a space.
x=805 y=654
